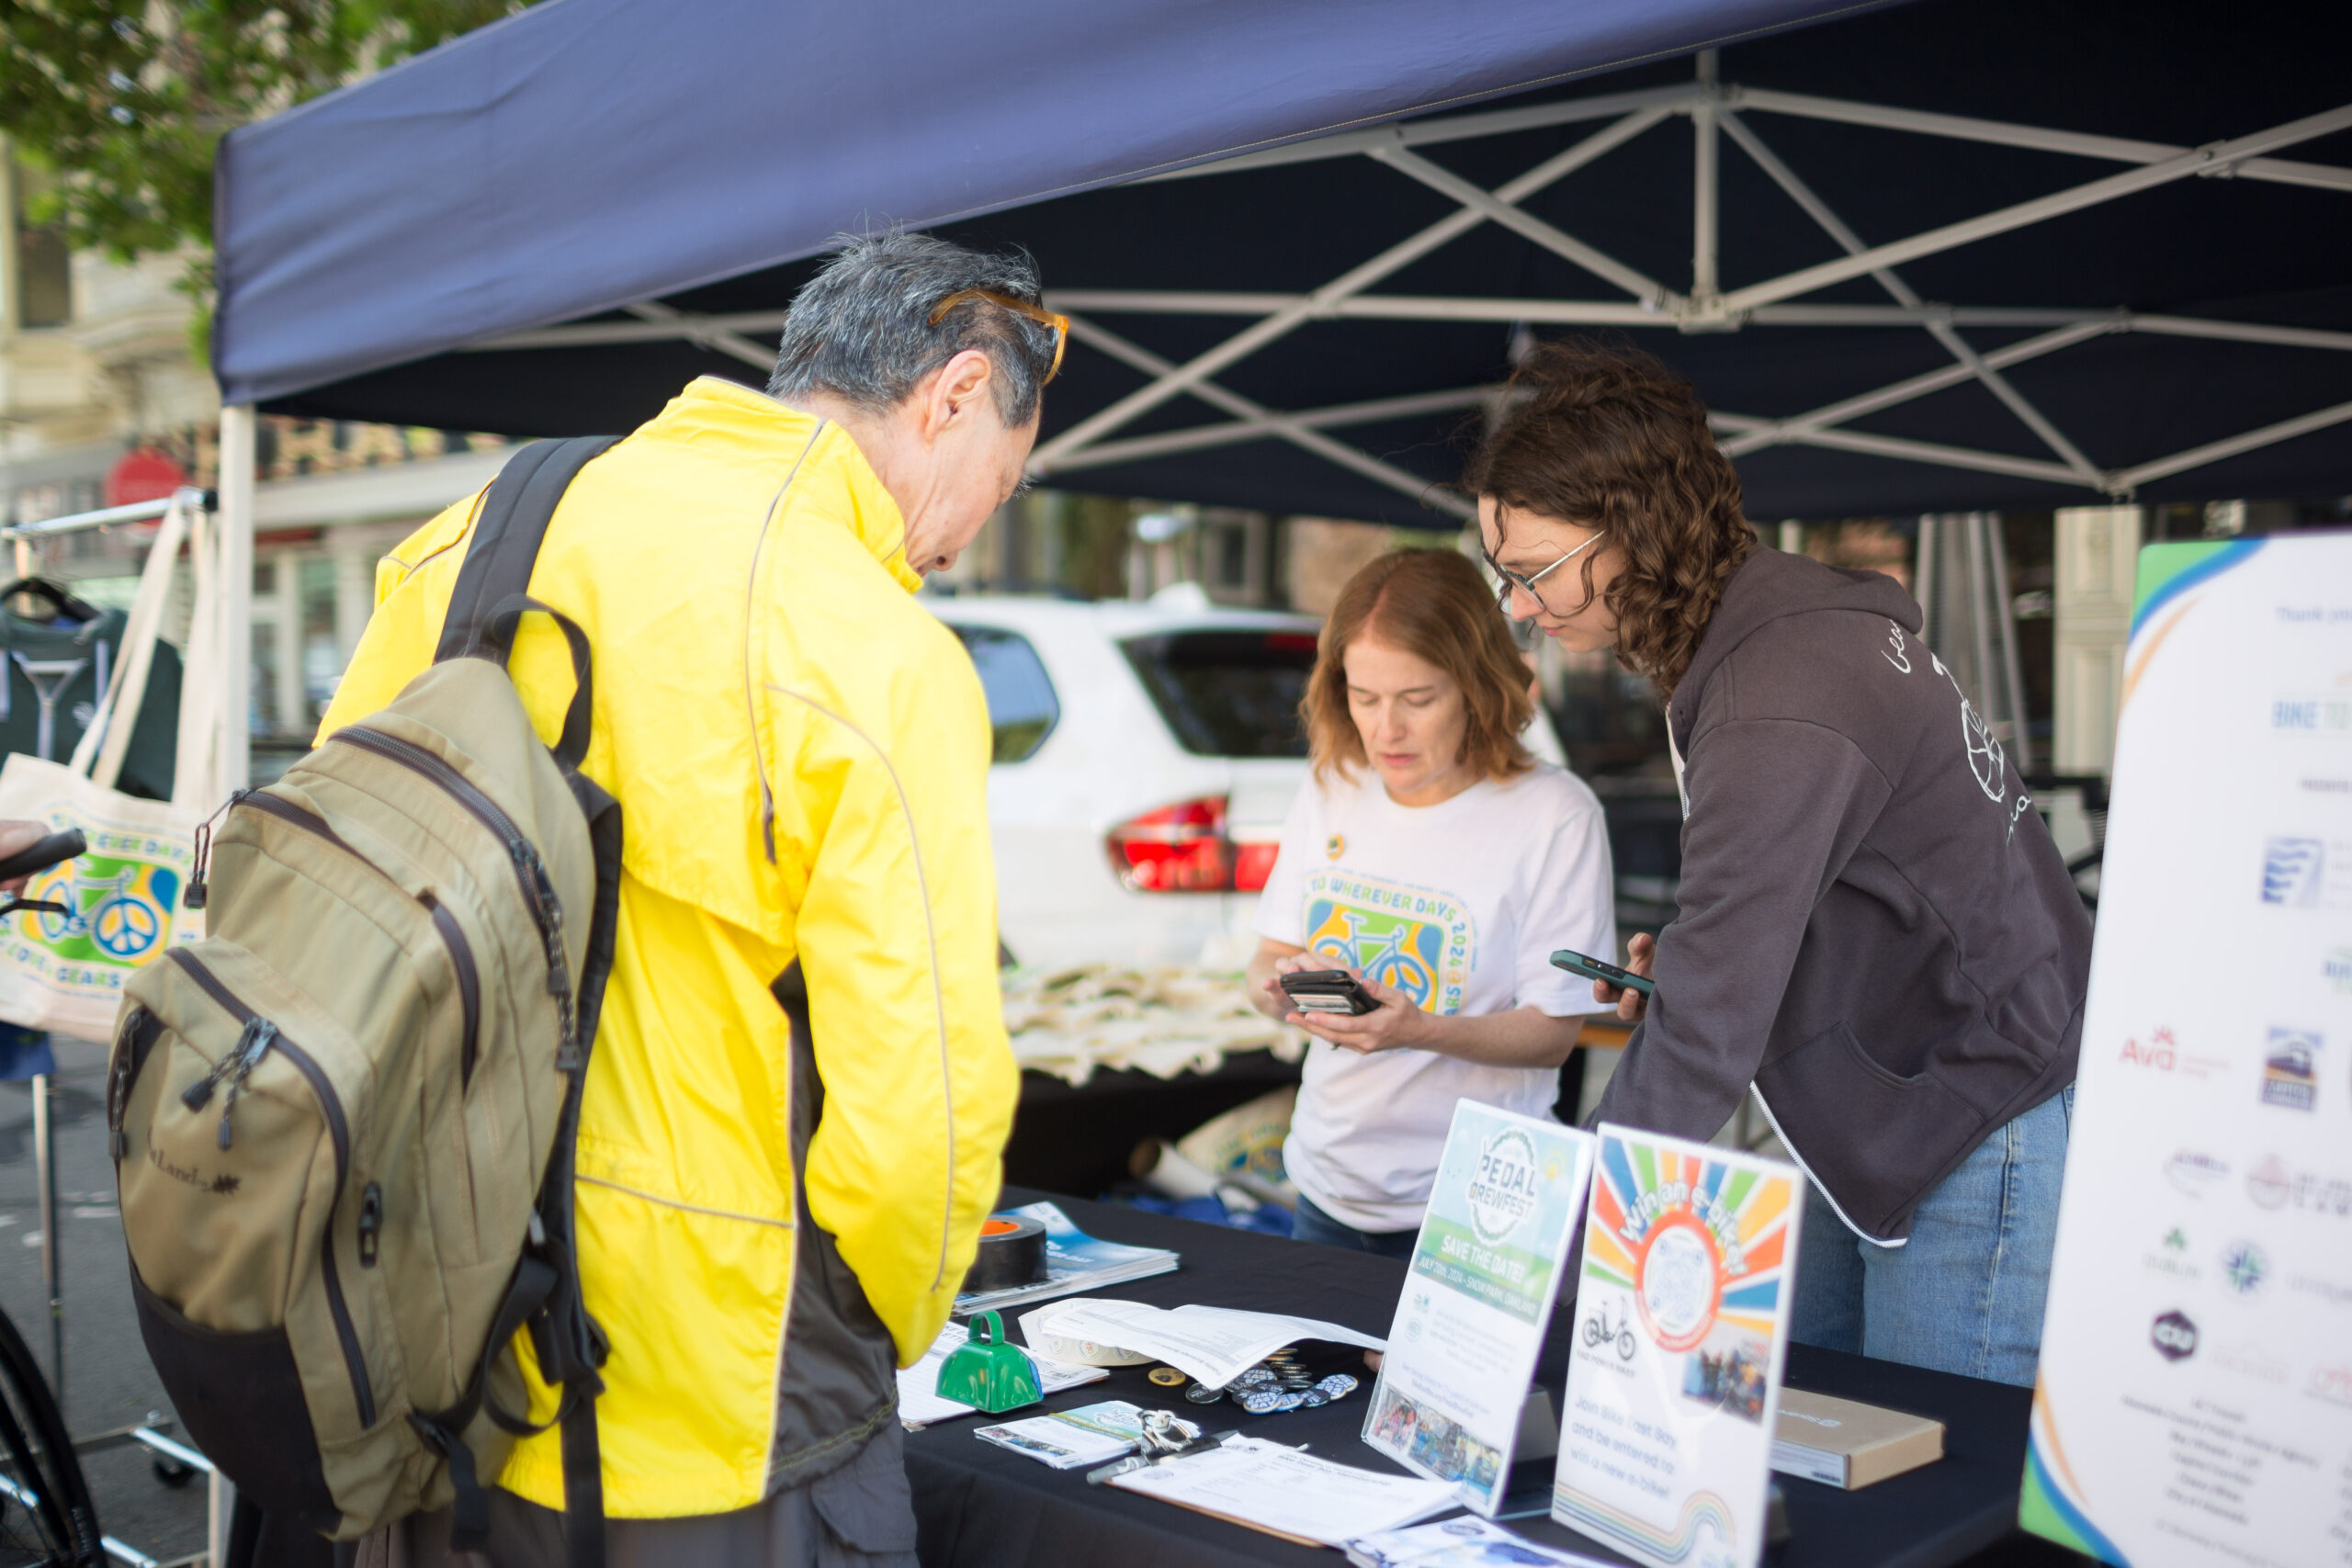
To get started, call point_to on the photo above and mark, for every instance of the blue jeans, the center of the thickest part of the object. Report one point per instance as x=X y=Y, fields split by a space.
x=1314 y=1224
x=1966 y=1294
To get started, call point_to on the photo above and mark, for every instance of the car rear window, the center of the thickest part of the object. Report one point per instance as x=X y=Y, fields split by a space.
x=1023 y=709
x=1228 y=694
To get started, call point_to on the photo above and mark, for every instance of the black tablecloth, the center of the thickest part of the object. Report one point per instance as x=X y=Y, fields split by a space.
x=982 y=1506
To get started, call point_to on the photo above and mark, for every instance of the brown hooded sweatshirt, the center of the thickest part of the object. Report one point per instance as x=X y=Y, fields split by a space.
x=1875 y=929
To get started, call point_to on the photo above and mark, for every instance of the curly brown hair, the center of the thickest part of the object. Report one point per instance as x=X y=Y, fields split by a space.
x=1607 y=437
x=1431 y=603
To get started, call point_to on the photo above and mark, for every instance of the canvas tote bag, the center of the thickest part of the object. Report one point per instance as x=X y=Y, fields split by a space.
x=66 y=973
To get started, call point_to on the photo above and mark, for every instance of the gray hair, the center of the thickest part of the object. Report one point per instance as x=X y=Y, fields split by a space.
x=861 y=329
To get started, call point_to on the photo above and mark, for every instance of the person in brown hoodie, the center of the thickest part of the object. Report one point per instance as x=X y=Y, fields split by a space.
x=1875 y=934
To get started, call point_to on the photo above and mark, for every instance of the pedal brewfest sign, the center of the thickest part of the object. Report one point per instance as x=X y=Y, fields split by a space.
x=2195 y=1403
x=1478 y=1299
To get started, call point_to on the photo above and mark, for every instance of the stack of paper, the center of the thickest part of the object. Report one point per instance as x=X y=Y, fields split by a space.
x=1075 y=1261
x=1466 y=1542
x=1287 y=1492
x=1213 y=1344
x=918 y=1401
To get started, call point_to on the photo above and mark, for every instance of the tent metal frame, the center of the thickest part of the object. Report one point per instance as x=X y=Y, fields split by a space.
x=1717 y=111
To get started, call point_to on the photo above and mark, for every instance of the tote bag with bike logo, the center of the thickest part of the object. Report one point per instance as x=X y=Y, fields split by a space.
x=65 y=972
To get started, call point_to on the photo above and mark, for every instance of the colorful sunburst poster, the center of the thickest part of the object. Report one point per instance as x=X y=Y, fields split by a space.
x=1486 y=1269
x=1674 y=1373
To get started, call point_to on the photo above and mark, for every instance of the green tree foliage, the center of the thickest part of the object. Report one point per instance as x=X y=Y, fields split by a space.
x=123 y=101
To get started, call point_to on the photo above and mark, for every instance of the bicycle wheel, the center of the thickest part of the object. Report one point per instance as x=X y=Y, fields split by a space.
x=58 y=1519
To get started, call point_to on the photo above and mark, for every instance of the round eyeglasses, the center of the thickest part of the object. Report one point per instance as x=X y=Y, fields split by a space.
x=1526 y=581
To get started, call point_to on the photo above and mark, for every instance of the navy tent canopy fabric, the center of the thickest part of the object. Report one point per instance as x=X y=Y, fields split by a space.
x=596 y=162
x=590 y=153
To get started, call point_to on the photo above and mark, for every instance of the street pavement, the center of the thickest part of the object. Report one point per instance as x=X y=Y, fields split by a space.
x=108 y=1380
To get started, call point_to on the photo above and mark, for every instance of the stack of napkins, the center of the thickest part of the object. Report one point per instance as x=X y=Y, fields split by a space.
x=1846 y=1443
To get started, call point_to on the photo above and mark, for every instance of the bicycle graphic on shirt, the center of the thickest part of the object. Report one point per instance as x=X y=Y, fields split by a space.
x=1381 y=948
x=118 y=907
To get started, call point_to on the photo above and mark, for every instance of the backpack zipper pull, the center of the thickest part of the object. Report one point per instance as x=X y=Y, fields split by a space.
x=264 y=1033
x=194 y=895
x=197 y=1095
x=371 y=1222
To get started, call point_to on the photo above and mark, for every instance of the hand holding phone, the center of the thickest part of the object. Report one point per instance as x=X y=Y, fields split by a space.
x=1606 y=973
x=1328 y=990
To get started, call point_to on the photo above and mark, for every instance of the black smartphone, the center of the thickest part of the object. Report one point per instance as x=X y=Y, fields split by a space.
x=1608 y=973
x=1328 y=990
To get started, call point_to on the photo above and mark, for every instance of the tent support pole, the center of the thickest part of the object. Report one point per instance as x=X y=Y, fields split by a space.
x=1705 y=183
x=236 y=644
x=1185 y=378
x=2215 y=159
x=1428 y=494
x=1903 y=293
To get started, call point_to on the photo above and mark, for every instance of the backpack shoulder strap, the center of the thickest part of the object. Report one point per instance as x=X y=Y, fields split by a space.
x=505 y=544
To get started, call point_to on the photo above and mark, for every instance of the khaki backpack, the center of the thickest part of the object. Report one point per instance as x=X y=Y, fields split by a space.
x=343 y=1123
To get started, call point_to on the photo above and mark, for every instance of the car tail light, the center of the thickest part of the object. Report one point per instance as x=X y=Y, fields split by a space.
x=1253 y=863
x=1177 y=849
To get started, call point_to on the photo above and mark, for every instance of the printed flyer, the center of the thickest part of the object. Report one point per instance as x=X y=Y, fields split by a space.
x=1674 y=1373
x=1484 y=1272
x=2195 y=1401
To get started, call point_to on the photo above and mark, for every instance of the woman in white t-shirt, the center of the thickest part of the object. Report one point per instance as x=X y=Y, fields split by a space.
x=1430 y=855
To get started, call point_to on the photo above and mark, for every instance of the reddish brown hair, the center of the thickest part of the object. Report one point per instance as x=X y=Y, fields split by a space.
x=1433 y=605
x=1608 y=438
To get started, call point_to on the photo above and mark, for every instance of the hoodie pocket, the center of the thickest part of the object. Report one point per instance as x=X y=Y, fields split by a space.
x=1875 y=1138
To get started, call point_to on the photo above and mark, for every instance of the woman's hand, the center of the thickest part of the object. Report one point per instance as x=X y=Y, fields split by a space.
x=1395 y=1025
x=1631 y=1003
x=1276 y=959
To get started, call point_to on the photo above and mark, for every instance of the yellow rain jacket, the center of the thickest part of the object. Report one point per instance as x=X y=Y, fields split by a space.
x=739 y=571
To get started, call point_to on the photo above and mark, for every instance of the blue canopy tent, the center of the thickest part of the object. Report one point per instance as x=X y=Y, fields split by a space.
x=1958 y=253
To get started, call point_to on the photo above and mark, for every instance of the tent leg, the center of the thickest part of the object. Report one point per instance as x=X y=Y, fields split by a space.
x=45 y=1181
x=236 y=547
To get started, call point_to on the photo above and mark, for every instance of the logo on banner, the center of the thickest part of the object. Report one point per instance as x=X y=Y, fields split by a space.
x=2245 y=1267
x=2291 y=872
x=2289 y=1068
x=1503 y=1187
x=2159 y=1052
x=2172 y=1257
x=2332 y=1384
x=2268 y=1183
x=2195 y=1172
x=2174 y=1336
x=2272 y=1185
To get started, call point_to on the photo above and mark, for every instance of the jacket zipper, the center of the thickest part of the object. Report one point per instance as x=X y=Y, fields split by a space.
x=530 y=872
x=339 y=1129
x=453 y=936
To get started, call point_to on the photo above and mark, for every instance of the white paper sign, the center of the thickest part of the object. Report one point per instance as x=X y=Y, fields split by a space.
x=2195 y=1403
x=1477 y=1299
x=1674 y=1374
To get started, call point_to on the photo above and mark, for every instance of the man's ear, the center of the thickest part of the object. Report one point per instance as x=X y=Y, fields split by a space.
x=963 y=382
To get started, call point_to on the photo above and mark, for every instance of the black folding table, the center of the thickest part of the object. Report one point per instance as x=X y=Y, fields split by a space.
x=982 y=1507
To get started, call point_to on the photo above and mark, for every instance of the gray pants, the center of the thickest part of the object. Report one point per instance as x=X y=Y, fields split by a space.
x=862 y=1515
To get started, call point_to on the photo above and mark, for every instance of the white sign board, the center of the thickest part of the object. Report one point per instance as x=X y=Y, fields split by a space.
x=1674 y=1373
x=2195 y=1404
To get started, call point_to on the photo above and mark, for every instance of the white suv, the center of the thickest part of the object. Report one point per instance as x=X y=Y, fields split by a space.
x=1146 y=755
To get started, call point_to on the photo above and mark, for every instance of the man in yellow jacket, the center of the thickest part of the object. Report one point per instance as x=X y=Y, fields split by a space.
x=775 y=1211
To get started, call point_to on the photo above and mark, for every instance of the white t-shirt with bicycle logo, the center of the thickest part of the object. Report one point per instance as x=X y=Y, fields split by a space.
x=1460 y=906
